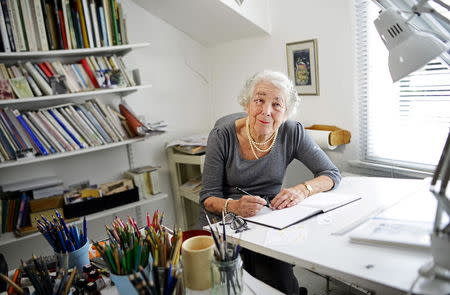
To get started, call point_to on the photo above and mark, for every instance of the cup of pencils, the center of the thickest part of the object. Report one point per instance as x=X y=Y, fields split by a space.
x=68 y=241
x=125 y=252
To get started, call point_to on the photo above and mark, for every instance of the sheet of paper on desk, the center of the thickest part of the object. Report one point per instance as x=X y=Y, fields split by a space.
x=313 y=205
x=407 y=223
x=393 y=232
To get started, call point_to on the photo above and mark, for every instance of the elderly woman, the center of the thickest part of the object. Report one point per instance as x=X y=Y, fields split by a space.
x=251 y=151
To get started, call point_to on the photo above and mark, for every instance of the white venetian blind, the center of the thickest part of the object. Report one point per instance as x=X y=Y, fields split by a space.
x=406 y=123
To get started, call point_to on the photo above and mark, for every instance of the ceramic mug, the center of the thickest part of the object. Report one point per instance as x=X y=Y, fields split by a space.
x=197 y=254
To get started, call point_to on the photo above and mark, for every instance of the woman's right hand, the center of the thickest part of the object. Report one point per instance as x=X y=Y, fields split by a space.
x=247 y=206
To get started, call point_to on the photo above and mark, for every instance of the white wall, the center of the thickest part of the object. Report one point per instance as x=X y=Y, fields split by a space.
x=179 y=96
x=292 y=20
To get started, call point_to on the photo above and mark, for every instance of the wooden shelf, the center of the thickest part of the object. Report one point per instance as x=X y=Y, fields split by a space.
x=123 y=91
x=70 y=154
x=190 y=195
x=10 y=237
x=28 y=55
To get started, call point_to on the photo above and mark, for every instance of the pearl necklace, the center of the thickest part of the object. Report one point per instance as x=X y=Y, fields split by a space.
x=253 y=144
x=261 y=143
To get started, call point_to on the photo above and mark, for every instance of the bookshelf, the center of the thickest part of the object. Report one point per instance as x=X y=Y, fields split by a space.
x=70 y=154
x=184 y=167
x=120 y=91
x=29 y=55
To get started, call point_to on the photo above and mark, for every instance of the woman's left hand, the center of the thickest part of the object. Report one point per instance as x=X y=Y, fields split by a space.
x=287 y=197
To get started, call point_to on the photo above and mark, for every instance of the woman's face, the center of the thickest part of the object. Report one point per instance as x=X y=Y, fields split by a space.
x=266 y=109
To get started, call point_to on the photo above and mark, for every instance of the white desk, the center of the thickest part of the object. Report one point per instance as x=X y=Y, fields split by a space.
x=311 y=244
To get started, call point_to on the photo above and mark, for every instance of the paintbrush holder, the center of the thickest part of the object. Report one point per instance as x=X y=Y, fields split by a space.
x=226 y=277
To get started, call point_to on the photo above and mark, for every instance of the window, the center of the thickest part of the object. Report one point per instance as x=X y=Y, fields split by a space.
x=403 y=124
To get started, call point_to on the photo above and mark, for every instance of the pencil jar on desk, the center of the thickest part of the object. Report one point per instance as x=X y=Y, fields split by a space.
x=226 y=277
x=68 y=242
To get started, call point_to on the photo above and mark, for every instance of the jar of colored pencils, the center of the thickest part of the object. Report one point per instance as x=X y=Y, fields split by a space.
x=226 y=276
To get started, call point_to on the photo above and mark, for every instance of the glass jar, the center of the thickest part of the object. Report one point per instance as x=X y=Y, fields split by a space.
x=226 y=277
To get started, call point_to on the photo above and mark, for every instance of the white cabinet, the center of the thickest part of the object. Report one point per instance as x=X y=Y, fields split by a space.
x=185 y=168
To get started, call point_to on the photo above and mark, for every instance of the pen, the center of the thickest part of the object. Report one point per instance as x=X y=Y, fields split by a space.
x=265 y=198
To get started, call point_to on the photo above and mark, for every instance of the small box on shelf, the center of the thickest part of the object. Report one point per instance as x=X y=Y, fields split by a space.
x=99 y=204
x=146 y=180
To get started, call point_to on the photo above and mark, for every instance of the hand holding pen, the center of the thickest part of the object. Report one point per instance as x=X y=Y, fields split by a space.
x=250 y=205
x=265 y=198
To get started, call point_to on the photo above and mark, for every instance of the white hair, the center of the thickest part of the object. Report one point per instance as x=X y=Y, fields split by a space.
x=279 y=80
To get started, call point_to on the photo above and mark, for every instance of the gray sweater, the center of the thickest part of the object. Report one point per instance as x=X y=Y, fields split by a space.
x=225 y=169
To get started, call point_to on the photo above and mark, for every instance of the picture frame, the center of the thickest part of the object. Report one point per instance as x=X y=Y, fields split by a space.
x=303 y=66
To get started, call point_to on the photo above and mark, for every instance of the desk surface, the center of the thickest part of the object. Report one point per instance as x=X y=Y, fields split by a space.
x=322 y=243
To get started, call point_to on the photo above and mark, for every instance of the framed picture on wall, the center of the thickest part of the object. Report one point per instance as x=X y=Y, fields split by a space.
x=303 y=66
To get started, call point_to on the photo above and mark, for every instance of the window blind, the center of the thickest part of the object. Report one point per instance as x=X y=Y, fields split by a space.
x=403 y=124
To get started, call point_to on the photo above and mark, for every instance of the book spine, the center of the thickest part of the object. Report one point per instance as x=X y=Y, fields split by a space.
x=16 y=128
x=41 y=133
x=66 y=24
x=66 y=127
x=27 y=128
x=82 y=22
x=96 y=124
x=86 y=129
x=45 y=87
x=41 y=32
x=91 y=107
x=13 y=25
x=85 y=119
x=89 y=72
x=15 y=15
x=33 y=85
x=114 y=25
x=104 y=112
x=61 y=131
x=102 y=21
x=5 y=39
x=9 y=150
x=31 y=36
x=53 y=131
x=38 y=135
x=9 y=30
x=45 y=131
x=108 y=22
x=76 y=126
x=87 y=19
x=95 y=23
x=10 y=133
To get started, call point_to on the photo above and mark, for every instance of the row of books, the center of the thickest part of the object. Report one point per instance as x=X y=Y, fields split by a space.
x=41 y=25
x=14 y=206
x=28 y=79
x=58 y=129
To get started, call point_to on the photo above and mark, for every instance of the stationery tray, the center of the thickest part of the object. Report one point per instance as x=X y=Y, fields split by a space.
x=99 y=204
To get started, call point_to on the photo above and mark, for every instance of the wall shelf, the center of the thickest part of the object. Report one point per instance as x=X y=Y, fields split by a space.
x=70 y=154
x=212 y=22
x=10 y=237
x=123 y=91
x=28 y=55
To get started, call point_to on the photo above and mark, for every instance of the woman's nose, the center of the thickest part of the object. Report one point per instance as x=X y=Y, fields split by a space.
x=267 y=109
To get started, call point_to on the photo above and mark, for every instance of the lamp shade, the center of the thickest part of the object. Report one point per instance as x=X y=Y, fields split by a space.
x=409 y=49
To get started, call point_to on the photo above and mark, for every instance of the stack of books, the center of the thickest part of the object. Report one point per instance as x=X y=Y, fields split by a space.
x=41 y=25
x=58 y=129
x=16 y=200
x=28 y=79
